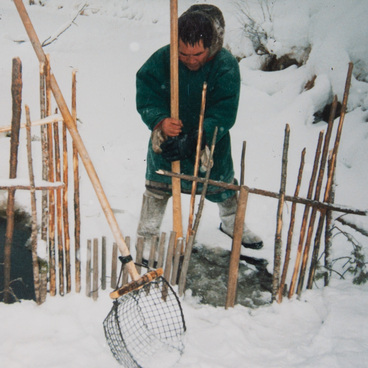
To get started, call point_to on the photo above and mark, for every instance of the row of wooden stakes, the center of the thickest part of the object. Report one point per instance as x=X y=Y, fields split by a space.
x=174 y=262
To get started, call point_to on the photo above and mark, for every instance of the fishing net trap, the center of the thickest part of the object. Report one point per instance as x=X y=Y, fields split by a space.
x=146 y=325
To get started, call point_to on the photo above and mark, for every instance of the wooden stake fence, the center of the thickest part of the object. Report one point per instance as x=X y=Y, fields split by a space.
x=54 y=229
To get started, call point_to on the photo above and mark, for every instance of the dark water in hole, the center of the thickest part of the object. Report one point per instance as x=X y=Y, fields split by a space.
x=208 y=277
x=21 y=273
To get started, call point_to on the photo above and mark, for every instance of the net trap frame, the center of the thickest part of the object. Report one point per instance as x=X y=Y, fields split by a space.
x=146 y=323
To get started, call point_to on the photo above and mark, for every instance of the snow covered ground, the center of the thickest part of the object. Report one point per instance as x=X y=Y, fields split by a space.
x=107 y=45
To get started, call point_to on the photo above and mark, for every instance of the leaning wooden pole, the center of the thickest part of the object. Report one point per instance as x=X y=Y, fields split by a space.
x=196 y=163
x=16 y=90
x=279 y=220
x=174 y=99
x=305 y=219
x=68 y=119
x=36 y=271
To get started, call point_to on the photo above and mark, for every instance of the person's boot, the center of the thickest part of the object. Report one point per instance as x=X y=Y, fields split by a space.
x=227 y=211
x=152 y=214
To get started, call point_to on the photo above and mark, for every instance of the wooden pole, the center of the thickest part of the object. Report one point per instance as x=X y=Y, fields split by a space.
x=88 y=267
x=242 y=163
x=236 y=248
x=124 y=279
x=51 y=178
x=291 y=230
x=66 y=212
x=77 y=216
x=16 y=90
x=278 y=235
x=59 y=210
x=174 y=99
x=40 y=122
x=306 y=201
x=36 y=271
x=305 y=219
x=114 y=259
x=103 y=264
x=45 y=158
x=95 y=270
x=68 y=119
x=196 y=163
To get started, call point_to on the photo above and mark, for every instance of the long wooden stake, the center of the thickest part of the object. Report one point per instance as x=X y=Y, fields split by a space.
x=51 y=178
x=88 y=267
x=236 y=248
x=36 y=271
x=77 y=216
x=68 y=119
x=174 y=98
x=45 y=157
x=65 y=211
x=59 y=210
x=291 y=230
x=305 y=219
x=16 y=90
x=196 y=163
x=279 y=220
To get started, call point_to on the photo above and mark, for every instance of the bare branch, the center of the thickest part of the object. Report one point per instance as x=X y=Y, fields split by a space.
x=61 y=30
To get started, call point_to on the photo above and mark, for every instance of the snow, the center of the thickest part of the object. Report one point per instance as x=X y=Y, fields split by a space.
x=107 y=45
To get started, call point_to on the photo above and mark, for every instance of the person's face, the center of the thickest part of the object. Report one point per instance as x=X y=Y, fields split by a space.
x=193 y=57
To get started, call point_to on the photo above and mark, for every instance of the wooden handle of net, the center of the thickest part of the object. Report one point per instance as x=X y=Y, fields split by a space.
x=137 y=284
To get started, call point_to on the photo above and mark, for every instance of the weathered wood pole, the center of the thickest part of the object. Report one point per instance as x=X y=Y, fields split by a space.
x=76 y=194
x=36 y=271
x=59 y=211
x=16 y=91
x=291 y=230
x=305 y=219
x=236 y=248
x=174 y=99
x=66 y=211
x=279 y=218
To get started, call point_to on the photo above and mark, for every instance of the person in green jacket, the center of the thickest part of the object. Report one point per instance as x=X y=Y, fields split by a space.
x=201 y=59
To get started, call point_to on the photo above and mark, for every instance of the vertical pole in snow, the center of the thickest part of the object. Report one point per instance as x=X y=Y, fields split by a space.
x=174 y=84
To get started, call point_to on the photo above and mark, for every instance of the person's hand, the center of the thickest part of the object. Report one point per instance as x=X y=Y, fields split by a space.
x=171 y=127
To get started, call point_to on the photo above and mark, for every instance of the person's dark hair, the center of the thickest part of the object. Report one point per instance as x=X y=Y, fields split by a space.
x=203 y=22
x=195 y=26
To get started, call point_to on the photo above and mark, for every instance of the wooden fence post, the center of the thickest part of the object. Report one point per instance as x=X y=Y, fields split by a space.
x=236 y=248
x=16 y=90
x=88 y=268
x=95 y=270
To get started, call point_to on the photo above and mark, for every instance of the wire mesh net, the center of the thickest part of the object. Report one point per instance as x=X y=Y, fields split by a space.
x=146 y=326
